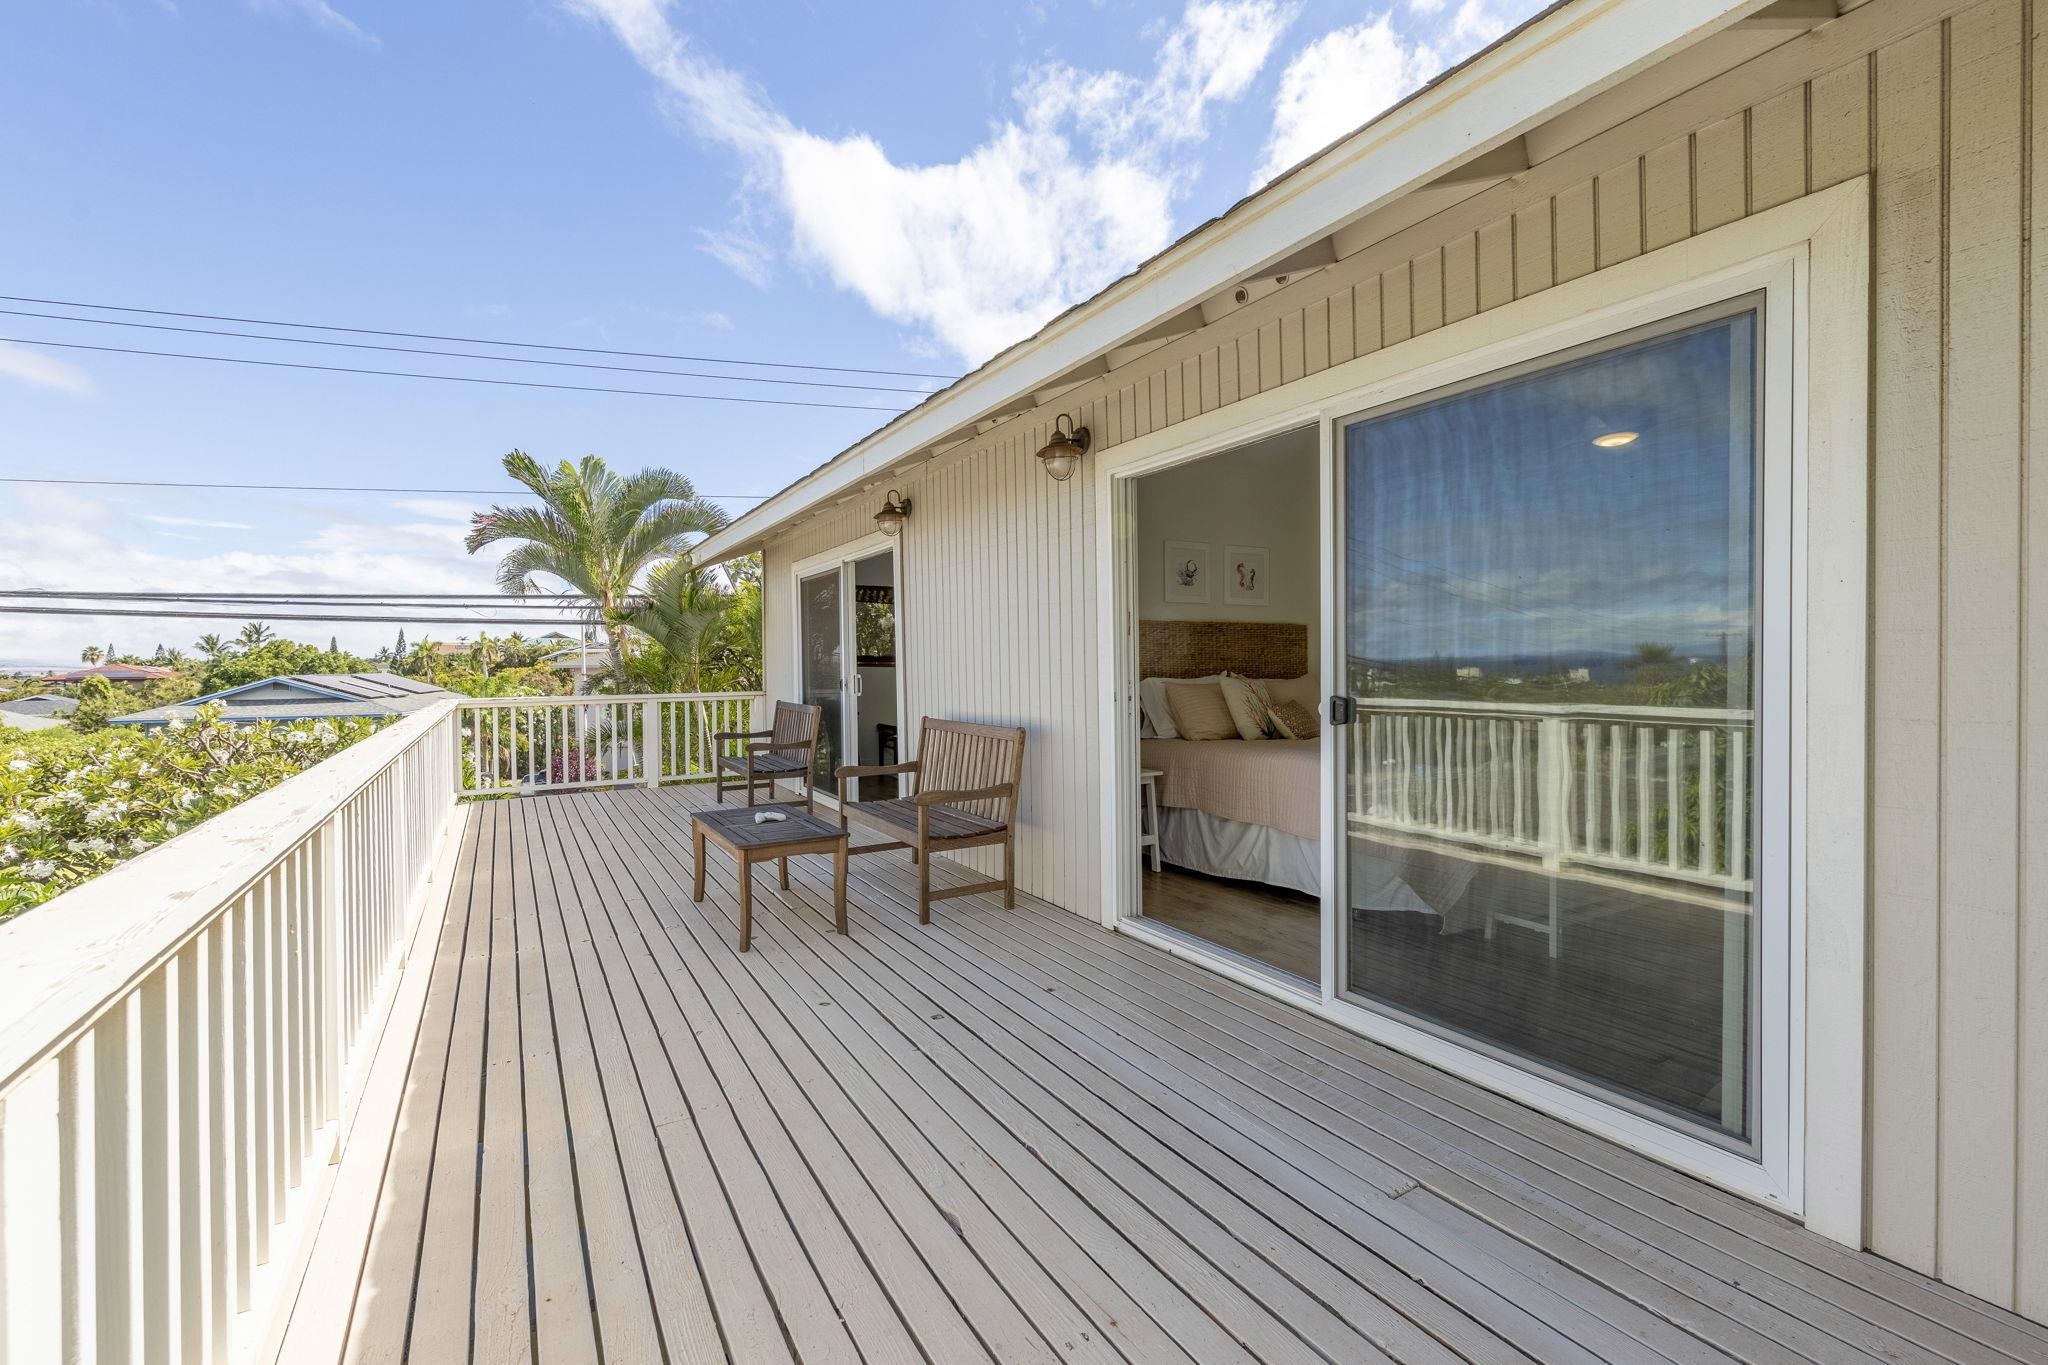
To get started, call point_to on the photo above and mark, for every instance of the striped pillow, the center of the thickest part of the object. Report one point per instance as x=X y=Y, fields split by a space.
x=1199 y=711
x=1296 y=721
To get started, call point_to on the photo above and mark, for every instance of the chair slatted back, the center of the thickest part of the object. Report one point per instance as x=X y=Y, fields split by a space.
x=959 y=756
x=795 y=723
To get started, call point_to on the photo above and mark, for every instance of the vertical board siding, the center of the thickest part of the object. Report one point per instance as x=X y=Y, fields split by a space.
x=1000 y=591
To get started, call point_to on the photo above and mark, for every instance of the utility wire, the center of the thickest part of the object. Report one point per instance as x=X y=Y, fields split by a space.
x=494 y=599
x=321 y=488
x=400 y=620
x=454 y=378
x=471 y=341
x=460 y=355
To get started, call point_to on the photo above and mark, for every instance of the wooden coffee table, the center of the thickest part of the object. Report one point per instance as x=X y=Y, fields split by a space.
x=749 y=842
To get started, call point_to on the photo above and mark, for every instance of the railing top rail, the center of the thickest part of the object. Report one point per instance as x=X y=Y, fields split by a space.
x=601 y=699
x=63 y=964
x=1573 y=709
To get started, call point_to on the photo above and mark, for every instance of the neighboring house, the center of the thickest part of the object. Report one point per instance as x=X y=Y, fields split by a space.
x=1722 y=301
x=113 y=673
x=304 y=696
x=44 y=711
x=577 y=658
x=449 y=649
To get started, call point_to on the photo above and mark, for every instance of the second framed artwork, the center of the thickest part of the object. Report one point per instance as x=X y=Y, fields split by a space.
x=1244 y=575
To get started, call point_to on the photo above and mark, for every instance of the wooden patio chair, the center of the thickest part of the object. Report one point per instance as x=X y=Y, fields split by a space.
x=785 y=751
x=963 y=795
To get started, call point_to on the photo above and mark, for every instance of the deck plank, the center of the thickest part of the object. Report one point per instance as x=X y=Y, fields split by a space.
x=1008 y=1136
x=1155 y=1311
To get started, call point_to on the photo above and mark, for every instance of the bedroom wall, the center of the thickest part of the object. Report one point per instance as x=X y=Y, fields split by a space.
x=1261 y=495
x=1940 y=104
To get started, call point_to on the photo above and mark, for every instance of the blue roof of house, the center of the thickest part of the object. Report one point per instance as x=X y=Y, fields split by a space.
x=304 y=696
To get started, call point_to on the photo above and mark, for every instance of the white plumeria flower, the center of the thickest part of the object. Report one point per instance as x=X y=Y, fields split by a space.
x=28 y=823
x=41 y=870
x=119 y=784
x=19 y=765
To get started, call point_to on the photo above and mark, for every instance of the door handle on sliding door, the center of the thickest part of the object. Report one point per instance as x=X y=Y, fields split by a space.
x=1341 y=711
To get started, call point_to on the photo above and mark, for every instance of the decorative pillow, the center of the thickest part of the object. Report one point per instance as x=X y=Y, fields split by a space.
x=1199 y=711
x=1295 y=721
x=1247 y=709
x=1303 y=690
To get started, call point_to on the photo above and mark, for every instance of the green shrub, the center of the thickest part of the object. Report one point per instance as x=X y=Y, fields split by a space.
x=73 y=805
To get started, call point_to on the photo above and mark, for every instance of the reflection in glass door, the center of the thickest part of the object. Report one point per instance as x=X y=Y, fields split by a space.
x=821 y=610
x=1550 y=618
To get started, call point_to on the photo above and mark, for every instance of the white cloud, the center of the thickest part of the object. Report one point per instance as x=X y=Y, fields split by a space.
x=1339 y=81
x=1058 y=200
x=324 y=16
x=44 y=372
x=202 y=522
x=712 y=318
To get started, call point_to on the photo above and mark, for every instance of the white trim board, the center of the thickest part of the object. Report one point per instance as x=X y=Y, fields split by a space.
x=1820 y=243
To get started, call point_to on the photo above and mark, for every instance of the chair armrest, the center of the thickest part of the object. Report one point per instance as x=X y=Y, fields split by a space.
x=849 y=772
x=786 y=744
x=722 y=736
x=876 y=769
x=956 y=798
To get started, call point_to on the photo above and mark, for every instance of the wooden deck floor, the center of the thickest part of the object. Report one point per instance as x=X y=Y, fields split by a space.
x=1006 y=1136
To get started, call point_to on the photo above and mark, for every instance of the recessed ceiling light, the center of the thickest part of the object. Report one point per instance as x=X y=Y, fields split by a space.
x=1614 y=439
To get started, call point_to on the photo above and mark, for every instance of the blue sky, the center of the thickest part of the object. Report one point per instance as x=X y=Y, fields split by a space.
x=767 y=181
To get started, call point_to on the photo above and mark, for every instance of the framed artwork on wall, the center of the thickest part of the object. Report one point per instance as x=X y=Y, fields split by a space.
x=1187 y=571
x=1244 y=575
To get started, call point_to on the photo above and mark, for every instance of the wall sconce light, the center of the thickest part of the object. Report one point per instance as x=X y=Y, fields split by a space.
x=1065 y=449
x=893 y=514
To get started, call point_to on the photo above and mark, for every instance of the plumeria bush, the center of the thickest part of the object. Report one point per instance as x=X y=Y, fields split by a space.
x=72 y=806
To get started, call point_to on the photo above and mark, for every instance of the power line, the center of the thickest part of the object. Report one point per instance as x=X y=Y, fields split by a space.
x=458 y=355
x=495 y=599
x=321 y=488
x=454 y=378
x=472 y=341
x=166 y=613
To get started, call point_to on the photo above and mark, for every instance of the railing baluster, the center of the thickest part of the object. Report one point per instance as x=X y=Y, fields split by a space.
x=1710 y=806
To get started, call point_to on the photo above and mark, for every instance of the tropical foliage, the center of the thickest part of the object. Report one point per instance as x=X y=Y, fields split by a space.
x=598 y=533
x=700 y=634
x=275 y=659
x=74 y=805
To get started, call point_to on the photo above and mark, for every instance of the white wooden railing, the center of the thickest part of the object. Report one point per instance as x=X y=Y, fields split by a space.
x=521 y=745
x=182 y=1045
x=1654 y=791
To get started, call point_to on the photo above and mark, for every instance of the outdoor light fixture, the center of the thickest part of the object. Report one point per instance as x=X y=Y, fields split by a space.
x=1065 y=449
x=893 y=514
x=1614 y=440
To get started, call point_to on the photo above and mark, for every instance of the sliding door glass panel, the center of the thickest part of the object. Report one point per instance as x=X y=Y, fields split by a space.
x=1549 y=800
x=824 y=667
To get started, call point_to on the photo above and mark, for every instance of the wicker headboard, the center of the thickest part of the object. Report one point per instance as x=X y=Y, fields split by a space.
x=1195 y=649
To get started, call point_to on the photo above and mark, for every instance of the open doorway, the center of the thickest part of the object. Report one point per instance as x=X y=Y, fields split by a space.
x=1227 y=589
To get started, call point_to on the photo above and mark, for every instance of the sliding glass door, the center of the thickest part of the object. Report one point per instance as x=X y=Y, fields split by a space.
x=1550 y=624
x=821 y=612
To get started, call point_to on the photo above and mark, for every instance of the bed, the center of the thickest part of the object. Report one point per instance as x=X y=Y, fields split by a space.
x=1251 y=810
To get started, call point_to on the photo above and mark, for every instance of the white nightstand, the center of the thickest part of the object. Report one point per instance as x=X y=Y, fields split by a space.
x=1148 y=813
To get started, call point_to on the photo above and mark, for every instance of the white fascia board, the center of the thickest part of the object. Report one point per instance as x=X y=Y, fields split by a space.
x=1573 y=51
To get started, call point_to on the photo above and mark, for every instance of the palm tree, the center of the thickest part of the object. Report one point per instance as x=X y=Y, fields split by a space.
x=255 y=635
x=684 y=612
x=212 y=646
x=419 y=661
x=596 y=531
x=487 y=653
x=91 y=654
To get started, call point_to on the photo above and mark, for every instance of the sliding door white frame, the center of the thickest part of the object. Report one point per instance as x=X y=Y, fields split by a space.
x=1811 y=258
x=841 y=560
